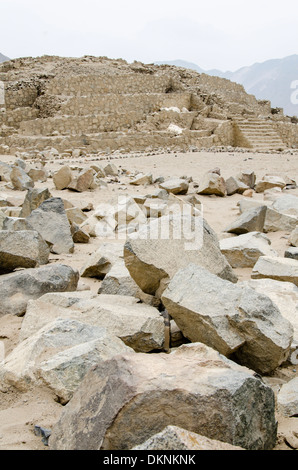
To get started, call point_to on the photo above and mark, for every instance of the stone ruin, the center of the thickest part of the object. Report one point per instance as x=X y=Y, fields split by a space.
x=102 y=105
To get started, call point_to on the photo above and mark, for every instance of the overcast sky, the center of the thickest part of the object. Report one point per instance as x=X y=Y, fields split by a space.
x=223 y=34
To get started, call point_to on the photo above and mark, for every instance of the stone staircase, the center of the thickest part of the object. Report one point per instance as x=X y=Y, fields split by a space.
x=258 y=134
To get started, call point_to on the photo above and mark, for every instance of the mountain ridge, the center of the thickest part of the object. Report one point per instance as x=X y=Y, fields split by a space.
x=3 y=58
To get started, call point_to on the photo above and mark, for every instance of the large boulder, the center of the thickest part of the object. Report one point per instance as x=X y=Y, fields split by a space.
x=287 y=204
x=175 y=438
x=276 y=221
x=142 y=179
x=33 y=199
x=20 y=180
x=62 y=178
x=5 y=171
x=238 y=322
x=287 y=398
x=139 y=326
x=16 y=289
x=75 y=215
x=83 y=182
x=280 y=269
x=234 y=185
x=292 y=252
x=283 y=294
x=78 y=234
x=101 y=261
x=22 y=249
x=119 y=282
x=248 y=177
x=50 y=220
x=294 y=237
x=38 y=174
x=251 y=220
x=244 y=251
x=175 y=186
x=124 y=401
x=16 y=224
x=268 y=182
x=58 y=356
x=155 y=253
x=212 y=183
x=245 y=204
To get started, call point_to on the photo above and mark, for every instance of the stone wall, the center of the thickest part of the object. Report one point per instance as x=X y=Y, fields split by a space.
x=288 y=132
x=122 y=103
x=116 y=84
x=16 y=116
x=20 y=95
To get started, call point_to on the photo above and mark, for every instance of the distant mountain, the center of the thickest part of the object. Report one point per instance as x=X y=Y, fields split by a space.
x=3 y=58
x=270 y=80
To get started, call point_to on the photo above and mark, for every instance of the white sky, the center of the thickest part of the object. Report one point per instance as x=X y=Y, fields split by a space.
x=223 y=34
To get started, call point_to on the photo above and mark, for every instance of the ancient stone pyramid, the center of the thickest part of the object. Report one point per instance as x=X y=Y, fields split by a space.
x=100 y=104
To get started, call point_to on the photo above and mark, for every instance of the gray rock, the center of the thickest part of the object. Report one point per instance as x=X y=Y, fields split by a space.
x=283 y=294
x=22 y=249
x=139 y=326
x=246 y=204
x=249 y=221
x=2 y=218
x=38 y=174
x=268 y=182
x=155 y=253
x=62 y=178
x=247 y=177
x=16 y=224
x=287 y=398
x=59 y=356
x=294 y=237
x=100 y=262
x=212 y=183
x=175 y=438
x=155 y=207
x=175 y=186
x=20 y=180
x=142 y=179
x=5 y=171
x=111 y=170
x=287 y=204
x=238 y=322
x=50 y=220
x=83 y=182
x=209 y=391
x=244 y=251
x=119 y=282
x=292 y=253
x=280 y=269
x=78 y=234
x=276 y=221
x=16 y=289
x=76 y=215
x=234 y=185
x=34 y=198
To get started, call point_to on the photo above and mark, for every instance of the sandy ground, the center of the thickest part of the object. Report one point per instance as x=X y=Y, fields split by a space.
x=20 y=412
